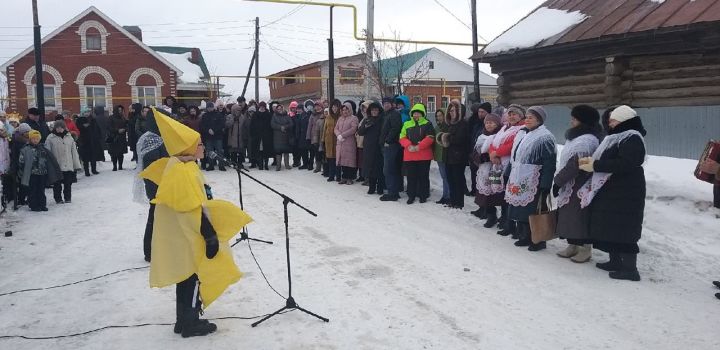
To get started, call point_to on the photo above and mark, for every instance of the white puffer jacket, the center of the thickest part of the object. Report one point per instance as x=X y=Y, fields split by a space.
x=65 y=151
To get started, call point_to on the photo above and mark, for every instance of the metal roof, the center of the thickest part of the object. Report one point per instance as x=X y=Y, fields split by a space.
x=619 y=17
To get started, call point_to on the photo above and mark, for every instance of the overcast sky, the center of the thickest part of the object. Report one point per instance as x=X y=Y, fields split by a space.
x=223 y=29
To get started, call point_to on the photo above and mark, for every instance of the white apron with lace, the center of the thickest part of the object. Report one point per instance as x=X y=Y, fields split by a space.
x=524 y=178
x=582 y=146
x=592 y=186
x=484 y=186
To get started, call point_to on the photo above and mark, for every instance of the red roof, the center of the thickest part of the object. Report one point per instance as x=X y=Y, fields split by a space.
x=618 y=17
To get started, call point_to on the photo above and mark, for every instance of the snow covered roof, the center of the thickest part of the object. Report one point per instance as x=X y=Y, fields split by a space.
x=558 y=21
x=191 y=72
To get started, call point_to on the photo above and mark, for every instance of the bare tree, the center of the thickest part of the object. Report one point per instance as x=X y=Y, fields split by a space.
x=394 y=68
x=4 y=102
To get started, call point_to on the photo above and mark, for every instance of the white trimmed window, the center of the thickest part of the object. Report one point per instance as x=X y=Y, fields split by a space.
x=49 y=93
x=93 y=42
x=95 y=96
x=431 y=104
x=147 y=95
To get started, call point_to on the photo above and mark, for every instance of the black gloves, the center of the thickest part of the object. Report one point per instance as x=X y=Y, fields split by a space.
x=211 y=247
x=210 y=236
x=556 y=190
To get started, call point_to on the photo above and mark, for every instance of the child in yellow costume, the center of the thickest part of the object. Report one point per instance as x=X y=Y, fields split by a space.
x=190 y=231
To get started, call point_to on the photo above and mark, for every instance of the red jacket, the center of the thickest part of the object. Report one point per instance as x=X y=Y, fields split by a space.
x=421 y=134
x=505 y=148
x=71 y=127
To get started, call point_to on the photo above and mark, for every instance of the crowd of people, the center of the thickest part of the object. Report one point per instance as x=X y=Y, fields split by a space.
x=597 y=181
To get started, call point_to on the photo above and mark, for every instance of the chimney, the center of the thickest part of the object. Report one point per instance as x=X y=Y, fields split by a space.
x=135 y=31
x=195 y=55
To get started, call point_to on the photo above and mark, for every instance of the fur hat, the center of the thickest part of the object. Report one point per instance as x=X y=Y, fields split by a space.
x=353 y=105
x=585 y=114
x=486 y=106
x=538 y=112
x=519 y=109
x=59 y=124
x=623 y=113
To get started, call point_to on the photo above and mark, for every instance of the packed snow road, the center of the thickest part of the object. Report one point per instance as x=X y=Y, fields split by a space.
x=388 y=275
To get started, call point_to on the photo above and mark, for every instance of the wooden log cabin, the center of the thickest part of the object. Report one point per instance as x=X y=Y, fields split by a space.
x=660 y=57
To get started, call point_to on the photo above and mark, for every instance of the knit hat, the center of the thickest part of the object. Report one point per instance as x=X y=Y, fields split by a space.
x=623 y=113
x=24 y=128
x=493 y=118
x=209 y=105
x=34 y=134
x=486 y=106
x=538 y=112
x=293 y=104
x=177 y=138
x=33 y=111
x=59 y=124
x=519 y=109
x=585 y=114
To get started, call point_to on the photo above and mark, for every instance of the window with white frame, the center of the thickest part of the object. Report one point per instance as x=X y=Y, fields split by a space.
x=431 y=104
x=93 y=42
x=445 y=101
x=49 y=93
x=95 y=96
x=147 y=95
x=417 y=99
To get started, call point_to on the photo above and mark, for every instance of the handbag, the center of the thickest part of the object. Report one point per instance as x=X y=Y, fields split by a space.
x=543 y=224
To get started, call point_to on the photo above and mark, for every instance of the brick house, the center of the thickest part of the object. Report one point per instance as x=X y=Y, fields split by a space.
x=92 y=61
x=310 y=81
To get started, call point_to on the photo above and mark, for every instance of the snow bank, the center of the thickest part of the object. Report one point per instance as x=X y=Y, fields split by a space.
x=538 y=26
x=191 y=72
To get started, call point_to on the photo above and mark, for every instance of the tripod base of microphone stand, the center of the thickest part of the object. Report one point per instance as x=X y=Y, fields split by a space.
x=290 y=305
x=244 y=236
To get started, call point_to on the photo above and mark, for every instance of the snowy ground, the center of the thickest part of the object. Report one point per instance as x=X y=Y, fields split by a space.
x=388 y=275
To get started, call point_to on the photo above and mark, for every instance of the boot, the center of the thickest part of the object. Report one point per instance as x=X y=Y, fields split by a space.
x=492 y=219
x=534 y=247
x=120 y=161
x=717 y=295
x=114 y=162
x=411 y=200
x=523 y=233
x=193 y=326
x=716 y=284
x=479 y=213
x=629 y=270
x=584 y=254
x=569 y=252
x=389 y=198
x=509 y=228
x=443 y=201
x=86 y=166
x=614 y=264
x=286 y=156
x=278 y=163
x=93 y=168
x=318 y=167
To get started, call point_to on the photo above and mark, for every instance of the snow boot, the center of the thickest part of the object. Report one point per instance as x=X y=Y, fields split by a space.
x=479 y=213
x=716 y=284
x=534 y=247
x=492 y=220
x=423 y=200
x=629 y=270
x=523 y=233
x=193 y=326
x=569 y=252
x=614 y=264
x=583 y=255
x=411 y=200
x=389 y=198
x=717 y=295
x=443 y=201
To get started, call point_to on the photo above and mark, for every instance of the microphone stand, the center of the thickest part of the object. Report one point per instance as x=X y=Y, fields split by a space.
x=238 y=168
x=290 y=303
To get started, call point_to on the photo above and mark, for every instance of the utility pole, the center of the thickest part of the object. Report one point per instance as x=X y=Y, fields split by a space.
x=257 y=59
x=476 y=67
x=40 y=87
x=331 y=62
x=369 y=47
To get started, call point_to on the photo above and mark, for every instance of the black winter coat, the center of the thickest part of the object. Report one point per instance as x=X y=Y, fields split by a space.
x=458 y=135
x=261 y=134
x=118 y=145
x=90 y=142
x=372 y=161
x=40 y=126
x=212 y=120
x=390 y=132
x=301 y=127
x=616 y=212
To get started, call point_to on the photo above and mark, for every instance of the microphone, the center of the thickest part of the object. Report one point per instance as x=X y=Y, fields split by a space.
x=214 y=156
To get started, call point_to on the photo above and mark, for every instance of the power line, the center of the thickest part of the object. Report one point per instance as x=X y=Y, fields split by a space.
x=452 y=14
x=292 y=12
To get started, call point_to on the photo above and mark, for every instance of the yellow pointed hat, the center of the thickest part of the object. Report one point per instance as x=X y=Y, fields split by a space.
x=178 y=138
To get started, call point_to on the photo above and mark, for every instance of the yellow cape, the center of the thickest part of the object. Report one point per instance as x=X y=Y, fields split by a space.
x=178 y=248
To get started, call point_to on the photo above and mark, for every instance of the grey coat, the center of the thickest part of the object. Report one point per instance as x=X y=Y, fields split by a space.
x=573 y=221
x=283 y=135
x=27 y=158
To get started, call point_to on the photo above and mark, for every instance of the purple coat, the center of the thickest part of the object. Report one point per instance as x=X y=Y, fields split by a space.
x=346 y=150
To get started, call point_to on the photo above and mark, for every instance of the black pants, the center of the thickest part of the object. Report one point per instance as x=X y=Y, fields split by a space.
x=348 y=173
x=187 y=293
x=147 y=239
x=716 y=196
x=579 y=241
x=36 y=195
x=63 y=188
x=377 y=184
x=296 y=156
x=418 y=179
x=117 y=161
x=456 y=180
x=91 y=165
